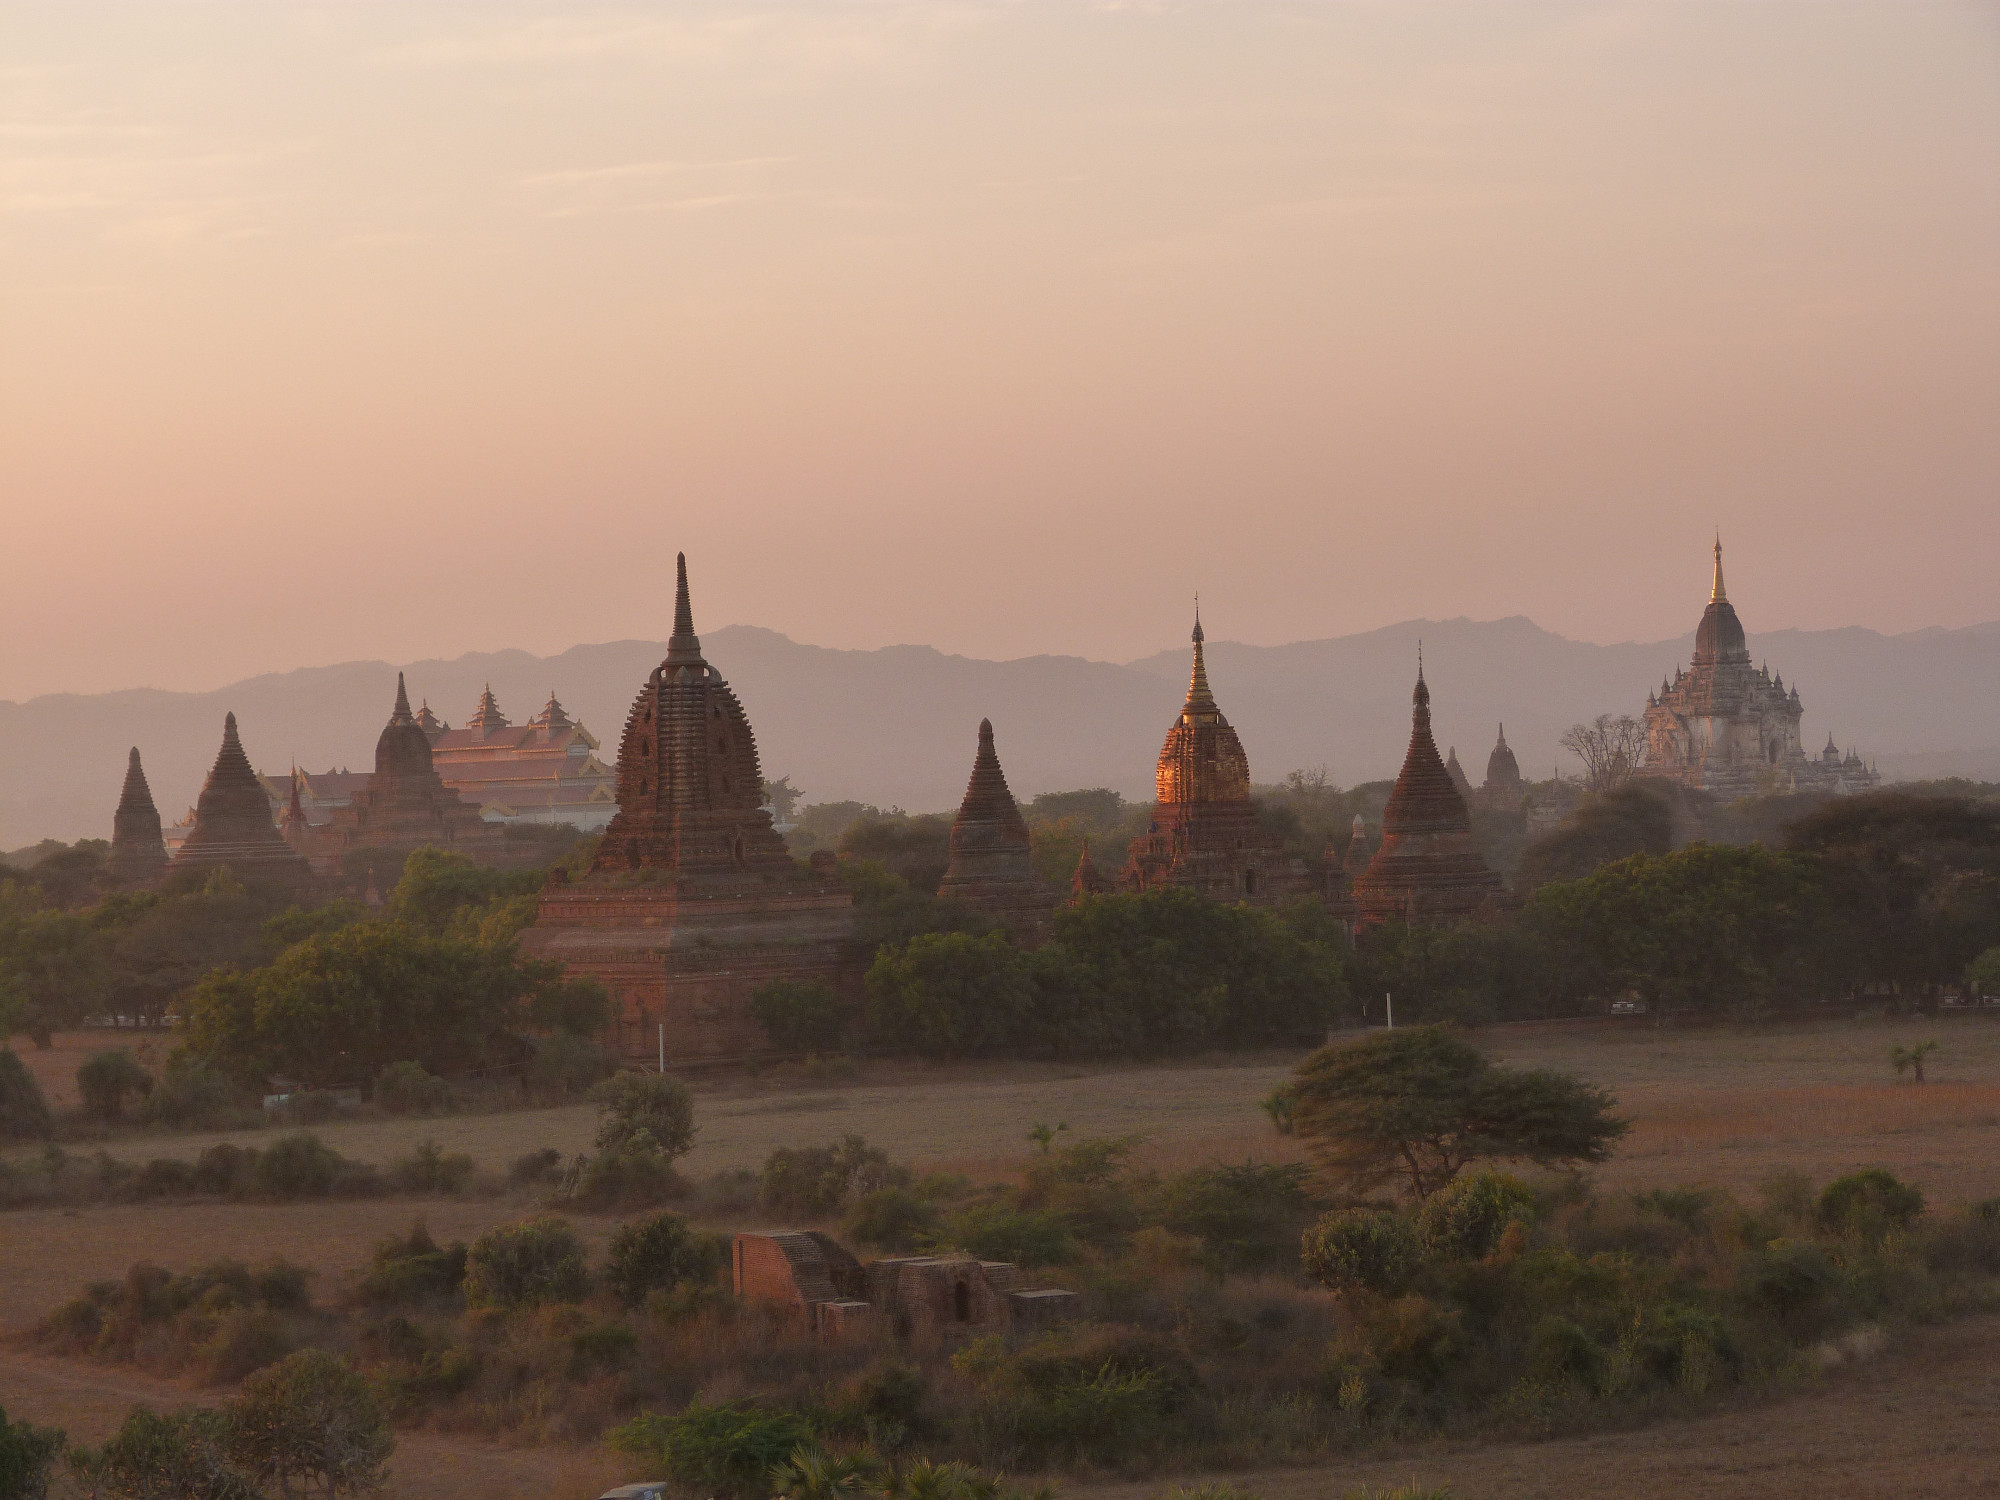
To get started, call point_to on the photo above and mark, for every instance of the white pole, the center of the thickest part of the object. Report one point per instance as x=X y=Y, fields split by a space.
x=1389 y=1000
x=663 y=1046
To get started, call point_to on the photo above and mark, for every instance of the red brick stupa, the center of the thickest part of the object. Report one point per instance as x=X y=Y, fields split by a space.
x=991 y=868
x=1426 y=869
x=138 y=852
x=693 y=901
x=232 y=824
x=405 y=805
x=1205 y=835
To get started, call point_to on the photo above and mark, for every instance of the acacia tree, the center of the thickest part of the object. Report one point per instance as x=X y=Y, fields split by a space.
x=1417 y=1104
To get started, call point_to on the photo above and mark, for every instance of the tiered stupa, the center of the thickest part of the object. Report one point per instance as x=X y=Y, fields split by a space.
x=405 y=805
x=693 y=901
x=991 y=868
x=1204 y=834
x=233 y=826
x=1426 y=869
x=138 y=851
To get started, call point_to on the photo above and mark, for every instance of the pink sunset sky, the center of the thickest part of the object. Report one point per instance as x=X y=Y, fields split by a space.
x=373 y=330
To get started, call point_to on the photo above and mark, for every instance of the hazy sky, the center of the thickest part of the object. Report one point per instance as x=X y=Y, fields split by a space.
x=394 y=330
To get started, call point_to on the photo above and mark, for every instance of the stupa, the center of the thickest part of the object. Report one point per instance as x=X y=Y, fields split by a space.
x=138 y=851
x=693 y=901
x=1503 y=787
x=1204 y=835
x=232 y=824
x=1426 y=869
x=405 y=805
x=991 y=868
x=1088 y=879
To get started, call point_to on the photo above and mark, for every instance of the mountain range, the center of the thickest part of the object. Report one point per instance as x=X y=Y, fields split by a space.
x=896 y=726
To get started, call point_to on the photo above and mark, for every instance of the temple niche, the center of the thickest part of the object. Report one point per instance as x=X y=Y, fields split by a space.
x=1731 y=729
x=403 y=806
x=232 y=827
x=693 y=901
x=991 y=866
x=1204 y=834
x=1426 y=869
x=138 y=849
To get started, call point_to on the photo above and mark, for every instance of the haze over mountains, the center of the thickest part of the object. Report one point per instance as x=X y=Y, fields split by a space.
x=897 y=725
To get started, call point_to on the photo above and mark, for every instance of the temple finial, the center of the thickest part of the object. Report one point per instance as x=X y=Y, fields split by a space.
x=1199 y=695
x=685 y=645
x=1717 y=594
x=1197 y=637
x=401 y=714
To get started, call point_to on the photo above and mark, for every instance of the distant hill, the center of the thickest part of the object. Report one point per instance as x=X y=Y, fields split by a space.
x=897 y=725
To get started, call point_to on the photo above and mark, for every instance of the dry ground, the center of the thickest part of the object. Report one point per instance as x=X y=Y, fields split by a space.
x=1717 y=1106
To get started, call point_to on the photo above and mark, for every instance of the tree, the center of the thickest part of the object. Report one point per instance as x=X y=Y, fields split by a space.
x=108 y=1079
x=53 y=971
x=27 y=1453
x=1911 y=1059
x=781 y=797
x=1610 y=747
x=949 y=995
x=803 y=1015
x=1419 y=1103
x=525 y=1265
x=658 y=1254
x=629 y=1103
x=181 y=1456
x=24 y=1113
x=1637 y=818
x=1982 y=975
x=310 y=1425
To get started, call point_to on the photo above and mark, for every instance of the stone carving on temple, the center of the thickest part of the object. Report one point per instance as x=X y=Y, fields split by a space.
x=1426 y=870
x=692 y=902
x=1732 y=729
x=991 y=867
x=138 y=850
x=1204 y=834
x=233 y=828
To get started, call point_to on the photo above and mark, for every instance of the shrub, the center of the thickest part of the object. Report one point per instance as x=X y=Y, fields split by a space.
x=1363 y=1249
x=108 y=1079
x=1248 y=1218
x=660 y=1106
x=311 y=1423
x=566 y=1064
x=299 y=1165
x=1279 y=1105
x=658 y=1254
x=1000 y=1231
x=813 y=1182
x=429 y=1170
x=525 y=1265
x=413 y=1270
x=533 y=1168
x=183 y=1454
x=1793 y=1280
x=1869 y=1203
x=24 y=1113
x=634 y=1174
x=26 y=1454
x=404 y=1088
x=803 y=1015
x=247 y=1339
x=1560 y=1351
x=727 y=1449
x=893 y=1218
x=191 y=1094
x=1465 y=1219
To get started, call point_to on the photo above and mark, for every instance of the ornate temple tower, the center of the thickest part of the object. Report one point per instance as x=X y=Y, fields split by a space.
x=693 y=901
x=1426 y=868
x=1730 y=728
x=138 y=852
x=1502 y=787
x=233 y=827
x=990 y=865
x=404 y=806
x=1205 y=835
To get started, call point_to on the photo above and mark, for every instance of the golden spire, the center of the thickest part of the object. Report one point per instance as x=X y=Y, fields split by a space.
x=1718 y=595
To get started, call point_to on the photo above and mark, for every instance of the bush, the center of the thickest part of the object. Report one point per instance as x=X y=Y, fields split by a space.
x=429 y=1170
x=301 y=1165
x=108 y=1079
x=813 y=1182
x=1465 y=1219
x=565 y=1064
x=634 y=1174
x=1000 y=1231
x=24 y=1113
x=191 y=1095
x=311 y=1423
x=26 y=1454
x=950 y=994
x=1363 y=1249
x=1869 y=1203
x=534 y=1168
x=893 y=1218
x=659 y=1254
x=728 y=1449
x=404 y=1088
x=413 y=1270
x=803 y=1015
x=525 y=1265
x=660 y=1106
x=1248 y=1218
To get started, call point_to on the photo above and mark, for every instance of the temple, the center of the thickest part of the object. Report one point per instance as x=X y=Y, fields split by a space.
x=403 y=806
x=1503 y=787
x=543 y=771
x=1426 y=869
x=1204 y=834
x=232 y=824
x=991 y=869
x=692 y=902
x=1732 y=729
x=138 y=851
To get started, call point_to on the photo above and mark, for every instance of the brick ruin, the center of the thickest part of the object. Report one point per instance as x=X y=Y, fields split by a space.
x=693 y=900
x=991 y=868
x=138 y=849
x=925 y=1298
x=233 y=829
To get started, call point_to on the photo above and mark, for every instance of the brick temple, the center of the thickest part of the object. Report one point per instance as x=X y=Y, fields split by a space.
x=991 y=868
x=232 y=827
x=693 y=901
x=1426 y=869
x=1204 y=834
x=138 y=850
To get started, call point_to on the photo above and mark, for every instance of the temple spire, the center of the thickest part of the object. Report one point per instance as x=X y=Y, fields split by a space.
x=1718 y=594
x=401 y=714
x=1199 y=695
x=685 y=645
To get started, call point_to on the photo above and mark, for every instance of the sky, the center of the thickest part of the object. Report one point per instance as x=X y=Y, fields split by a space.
x=401 y=330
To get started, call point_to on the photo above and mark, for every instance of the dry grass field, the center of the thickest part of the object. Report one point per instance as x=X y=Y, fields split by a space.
x=1717 y=1106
